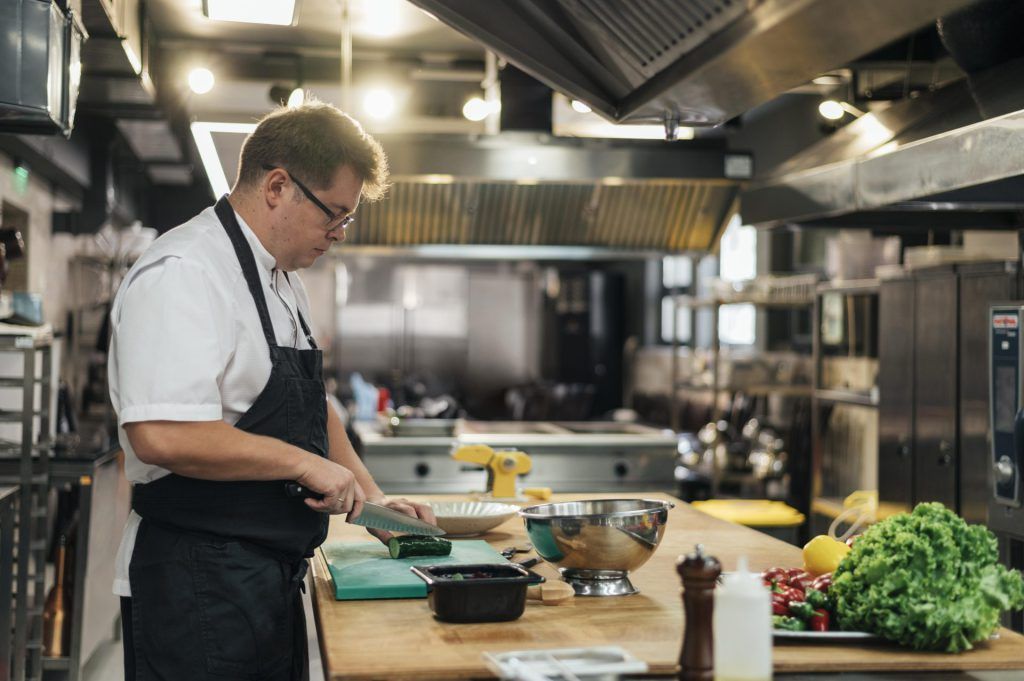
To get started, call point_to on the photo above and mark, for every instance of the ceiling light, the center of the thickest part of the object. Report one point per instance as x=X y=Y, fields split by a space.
x=379 y=103
x=200 y=80
x=829 y=80
x=297 y=98
x=476 y=109
x=380 y=18
x=831 y=109
x=275 y=12
x=580 y=107
x=202 y=132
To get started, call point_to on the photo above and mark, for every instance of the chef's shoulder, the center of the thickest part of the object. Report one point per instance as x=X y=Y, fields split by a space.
x=199 y=246
x=195 y=255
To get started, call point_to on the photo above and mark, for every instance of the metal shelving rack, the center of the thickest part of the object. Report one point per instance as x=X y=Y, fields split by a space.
x=716 y=387
x=26 y=464
x=821 y=397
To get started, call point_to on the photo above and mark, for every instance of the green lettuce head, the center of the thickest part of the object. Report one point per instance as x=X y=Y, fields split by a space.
x=926 y=580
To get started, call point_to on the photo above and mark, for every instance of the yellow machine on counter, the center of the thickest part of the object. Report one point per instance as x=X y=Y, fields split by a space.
x=503 y=470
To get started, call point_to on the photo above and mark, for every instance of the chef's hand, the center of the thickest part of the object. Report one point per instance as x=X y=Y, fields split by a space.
x=341 y=492
x=412 y=508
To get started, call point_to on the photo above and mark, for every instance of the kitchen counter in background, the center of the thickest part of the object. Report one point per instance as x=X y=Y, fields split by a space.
x=573 y=456
x=399 y=640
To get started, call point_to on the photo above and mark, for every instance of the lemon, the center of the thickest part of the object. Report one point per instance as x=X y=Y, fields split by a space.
x=823 y=554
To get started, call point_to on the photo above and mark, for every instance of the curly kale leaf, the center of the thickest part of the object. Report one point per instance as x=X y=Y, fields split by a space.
x=927 y=580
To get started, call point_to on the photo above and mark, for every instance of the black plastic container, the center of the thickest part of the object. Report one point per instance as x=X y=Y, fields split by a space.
x=476 y=593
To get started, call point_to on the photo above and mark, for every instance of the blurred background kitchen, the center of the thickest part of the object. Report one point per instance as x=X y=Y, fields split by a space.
x=776 y=292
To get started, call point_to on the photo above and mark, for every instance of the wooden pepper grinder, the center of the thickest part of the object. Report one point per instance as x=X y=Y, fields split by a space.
x=699 y=572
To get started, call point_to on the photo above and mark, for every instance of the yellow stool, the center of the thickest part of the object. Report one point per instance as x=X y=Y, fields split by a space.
x=774 y=518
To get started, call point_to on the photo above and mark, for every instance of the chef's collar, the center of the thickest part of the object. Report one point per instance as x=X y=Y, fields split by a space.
x=263 y=257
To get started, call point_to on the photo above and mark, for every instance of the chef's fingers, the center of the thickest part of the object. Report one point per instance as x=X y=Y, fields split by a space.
x=421 y=511
x=347 y=499
x=425 y=512
x=358 y=497
x=382 y=535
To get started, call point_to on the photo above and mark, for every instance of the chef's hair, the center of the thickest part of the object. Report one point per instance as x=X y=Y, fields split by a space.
x=313 y=141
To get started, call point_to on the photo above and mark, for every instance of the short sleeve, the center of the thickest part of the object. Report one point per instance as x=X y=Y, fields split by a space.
x=171 y=334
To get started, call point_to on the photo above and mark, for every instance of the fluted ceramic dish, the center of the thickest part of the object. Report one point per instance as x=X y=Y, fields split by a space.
x=595 y=544
x=470 y=518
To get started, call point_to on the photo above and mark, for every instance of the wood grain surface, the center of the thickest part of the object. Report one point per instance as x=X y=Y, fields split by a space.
x=399 y=639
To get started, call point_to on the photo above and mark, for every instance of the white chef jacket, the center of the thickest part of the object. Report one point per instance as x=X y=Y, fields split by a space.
x=186 y=341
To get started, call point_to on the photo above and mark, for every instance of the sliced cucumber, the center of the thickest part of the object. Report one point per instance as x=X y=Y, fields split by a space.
x=411 y=545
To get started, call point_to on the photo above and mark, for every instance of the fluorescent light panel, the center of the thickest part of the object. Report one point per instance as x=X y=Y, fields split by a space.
x=202 y=133
x=274 y=12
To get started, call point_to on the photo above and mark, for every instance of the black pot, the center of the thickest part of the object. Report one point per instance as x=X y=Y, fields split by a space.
x=476 y=593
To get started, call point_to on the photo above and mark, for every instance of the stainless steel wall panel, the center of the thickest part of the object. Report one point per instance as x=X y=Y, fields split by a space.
x=896 y=392
x=935 y=387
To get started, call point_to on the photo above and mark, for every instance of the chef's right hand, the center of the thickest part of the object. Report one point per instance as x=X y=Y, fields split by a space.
x=341 y=492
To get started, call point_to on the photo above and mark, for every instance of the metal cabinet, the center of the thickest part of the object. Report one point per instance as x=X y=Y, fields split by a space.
x=935 y=387
x=896 y=392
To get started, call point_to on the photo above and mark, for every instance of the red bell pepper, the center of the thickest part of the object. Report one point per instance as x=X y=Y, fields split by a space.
x=819 y=620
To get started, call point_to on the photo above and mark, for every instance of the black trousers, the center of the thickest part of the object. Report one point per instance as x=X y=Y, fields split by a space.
x=211 y=610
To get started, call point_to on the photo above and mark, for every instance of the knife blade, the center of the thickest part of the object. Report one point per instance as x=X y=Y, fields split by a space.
x=375 y=516
x=383 y=518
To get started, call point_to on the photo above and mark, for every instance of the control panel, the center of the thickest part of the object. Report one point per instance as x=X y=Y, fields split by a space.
x=1006 y=417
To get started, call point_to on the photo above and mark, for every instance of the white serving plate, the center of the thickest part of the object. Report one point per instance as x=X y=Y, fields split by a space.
x=470 y=518
x=824 y=636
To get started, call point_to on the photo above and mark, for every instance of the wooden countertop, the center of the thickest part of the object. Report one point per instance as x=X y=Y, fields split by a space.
x=399 y=639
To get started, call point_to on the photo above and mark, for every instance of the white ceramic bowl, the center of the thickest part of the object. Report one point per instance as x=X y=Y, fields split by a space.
x=468 y=518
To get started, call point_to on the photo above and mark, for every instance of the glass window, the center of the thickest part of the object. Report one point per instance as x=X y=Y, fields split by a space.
x=683 y=321
x=738 y=252
x=737 y=324
x=676 y=271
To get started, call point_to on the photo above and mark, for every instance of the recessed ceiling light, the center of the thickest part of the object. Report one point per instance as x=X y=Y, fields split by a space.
x=831 y=109
x=274 y=12
x=476 y=109
x=829 y=79
x=379 y=103
x=580 y=107
x=379 y=18
x=200 y=80
x=296 y=98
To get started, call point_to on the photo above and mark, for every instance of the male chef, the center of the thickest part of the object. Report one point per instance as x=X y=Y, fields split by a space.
x=216 y=380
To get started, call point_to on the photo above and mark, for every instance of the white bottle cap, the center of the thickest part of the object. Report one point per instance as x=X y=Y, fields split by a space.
x=742 y=580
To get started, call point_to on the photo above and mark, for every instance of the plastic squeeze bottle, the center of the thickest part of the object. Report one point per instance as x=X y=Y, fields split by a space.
x=742 y=627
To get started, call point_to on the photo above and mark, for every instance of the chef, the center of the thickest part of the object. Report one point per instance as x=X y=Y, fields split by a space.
x=216 y=380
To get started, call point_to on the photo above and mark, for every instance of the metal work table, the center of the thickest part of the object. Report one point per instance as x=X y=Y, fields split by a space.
x=567 y=456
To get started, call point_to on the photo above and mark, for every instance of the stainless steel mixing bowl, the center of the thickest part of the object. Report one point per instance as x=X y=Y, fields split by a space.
x=596 y=543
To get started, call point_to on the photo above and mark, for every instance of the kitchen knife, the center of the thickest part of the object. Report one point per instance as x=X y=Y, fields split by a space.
x=376 y=516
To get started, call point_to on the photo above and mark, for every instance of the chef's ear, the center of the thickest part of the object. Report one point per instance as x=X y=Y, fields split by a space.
x=275 y=185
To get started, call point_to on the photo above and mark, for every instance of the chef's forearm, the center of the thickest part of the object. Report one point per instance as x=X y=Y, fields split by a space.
x=215 y=450
x=342 y=452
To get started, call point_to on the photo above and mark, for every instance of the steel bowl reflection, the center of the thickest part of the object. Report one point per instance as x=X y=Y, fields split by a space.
x=596 y=543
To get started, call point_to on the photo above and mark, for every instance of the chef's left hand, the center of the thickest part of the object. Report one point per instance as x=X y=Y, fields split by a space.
x=412 y=508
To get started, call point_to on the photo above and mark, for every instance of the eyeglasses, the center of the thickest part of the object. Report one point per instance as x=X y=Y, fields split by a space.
x=334 y=220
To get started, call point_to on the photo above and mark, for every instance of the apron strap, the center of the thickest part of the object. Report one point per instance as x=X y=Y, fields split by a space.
x=302 y=321
x=248 y=262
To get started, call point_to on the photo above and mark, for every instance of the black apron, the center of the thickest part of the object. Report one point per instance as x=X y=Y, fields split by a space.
x=218 y=566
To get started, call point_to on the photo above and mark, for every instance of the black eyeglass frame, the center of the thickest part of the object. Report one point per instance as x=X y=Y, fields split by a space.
x=343 y=221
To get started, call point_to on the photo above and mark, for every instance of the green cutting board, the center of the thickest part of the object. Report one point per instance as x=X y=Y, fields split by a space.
x=365 y=571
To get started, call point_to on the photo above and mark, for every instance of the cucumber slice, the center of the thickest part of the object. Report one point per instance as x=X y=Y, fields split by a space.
x=415 y=545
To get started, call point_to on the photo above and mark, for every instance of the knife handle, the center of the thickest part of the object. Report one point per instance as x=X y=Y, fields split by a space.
x=294 y=489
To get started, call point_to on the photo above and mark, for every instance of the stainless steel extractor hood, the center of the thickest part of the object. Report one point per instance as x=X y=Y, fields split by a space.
x=951 y=158
x=692 y=62
x=533 y=190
